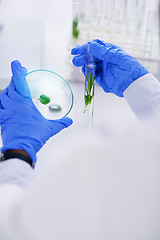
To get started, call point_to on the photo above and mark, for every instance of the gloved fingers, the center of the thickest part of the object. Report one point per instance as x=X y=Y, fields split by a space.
x=59 y=124
x=80 y=60
x=105 y=79
x=11 y=87
x=19 y=79
x=102 y=52
x=3 y=114
x=98 y=79
x=113 y=54
x=83 y=70
x=99 y=50
x=5 y=96
x=83 y=49
x=80 y=49
x=83 y=55
x=7 y=102
x=18 y=105
x=103 y=43
x=11 y=99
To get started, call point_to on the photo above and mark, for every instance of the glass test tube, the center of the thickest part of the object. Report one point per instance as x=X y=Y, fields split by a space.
x=85 y=20
x=75 y=21
x=129 y=25
x=89 y=95
x=151 y=23
x=119 y=15
x=140 y=16
x=130 y=16
x=139 y=28
x=108 y=11
x=86 y=12
x=97 y=19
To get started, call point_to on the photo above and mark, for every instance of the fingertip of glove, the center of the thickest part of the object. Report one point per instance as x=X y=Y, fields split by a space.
x=73 y=51
x=94 y=44
x=63 y=122
x=68 y=121
x=76 y=50
x=83 y=70
x=75 y=62
x=16 y=65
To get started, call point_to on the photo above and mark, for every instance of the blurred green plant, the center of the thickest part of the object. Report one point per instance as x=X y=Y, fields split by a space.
x=75 y=31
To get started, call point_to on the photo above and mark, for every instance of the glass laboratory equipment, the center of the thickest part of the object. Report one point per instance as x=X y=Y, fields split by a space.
x=96 y=9
x=85 y=20
x=139 y=28
x=89 y=95
x=75 y=20
x=51 y=93
x=119 y=16
x=130 y=24
x=130 y=16
x=75 y=31
x=151 y=24
x=140 y=16
x=108 y=17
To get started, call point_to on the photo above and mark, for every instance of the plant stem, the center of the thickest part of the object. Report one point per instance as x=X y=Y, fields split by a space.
x=89 y=89
x=89 y=95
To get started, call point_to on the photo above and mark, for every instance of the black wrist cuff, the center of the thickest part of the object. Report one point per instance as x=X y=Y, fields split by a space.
x=9 y=154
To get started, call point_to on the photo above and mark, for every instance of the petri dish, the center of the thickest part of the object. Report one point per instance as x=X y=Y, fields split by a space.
x=51 y=93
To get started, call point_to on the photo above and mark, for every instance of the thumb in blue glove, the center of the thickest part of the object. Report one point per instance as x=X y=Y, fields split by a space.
x=22 y=125
x=115 y=69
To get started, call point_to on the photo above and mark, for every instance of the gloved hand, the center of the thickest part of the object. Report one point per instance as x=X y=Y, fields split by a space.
x=115 y=69
x=22 y=125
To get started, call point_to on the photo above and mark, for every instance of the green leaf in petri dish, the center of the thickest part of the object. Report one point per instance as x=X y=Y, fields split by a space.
x=44 y=99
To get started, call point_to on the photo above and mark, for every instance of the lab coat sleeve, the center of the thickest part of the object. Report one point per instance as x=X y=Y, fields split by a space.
x=143 y=96
x=15 y=177
x=15 y=171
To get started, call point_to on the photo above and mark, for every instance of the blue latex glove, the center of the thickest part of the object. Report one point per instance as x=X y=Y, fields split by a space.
x=115 y=69
x=22 y=125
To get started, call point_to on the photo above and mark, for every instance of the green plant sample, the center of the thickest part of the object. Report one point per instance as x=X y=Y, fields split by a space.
x=44 y=99
x=89 y=89
x=75 y=31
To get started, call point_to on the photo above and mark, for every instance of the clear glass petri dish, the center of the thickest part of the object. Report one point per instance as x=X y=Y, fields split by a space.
x=51 y=93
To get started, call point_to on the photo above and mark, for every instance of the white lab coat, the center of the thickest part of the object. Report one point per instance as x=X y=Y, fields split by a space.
x=85 y=195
